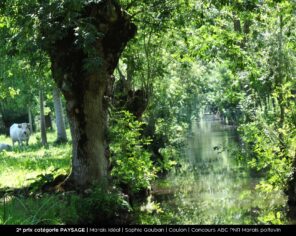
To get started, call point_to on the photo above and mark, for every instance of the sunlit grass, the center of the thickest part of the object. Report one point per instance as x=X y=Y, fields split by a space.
x=20 y=166
x=26 y=165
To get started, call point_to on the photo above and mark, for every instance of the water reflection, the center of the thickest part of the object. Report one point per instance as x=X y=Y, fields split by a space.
x=213 y=187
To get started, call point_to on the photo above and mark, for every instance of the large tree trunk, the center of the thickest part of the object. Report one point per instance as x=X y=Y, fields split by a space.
x=87 y=92
x=88 y=123
x=42 y=119
x=61 y=131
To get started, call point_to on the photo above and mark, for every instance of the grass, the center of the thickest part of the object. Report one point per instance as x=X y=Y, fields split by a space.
x=31 y=166
x=66 y=208
x=27 y=162
x=21 y=167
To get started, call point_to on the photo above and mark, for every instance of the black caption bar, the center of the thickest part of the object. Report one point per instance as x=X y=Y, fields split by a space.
x=150 y=229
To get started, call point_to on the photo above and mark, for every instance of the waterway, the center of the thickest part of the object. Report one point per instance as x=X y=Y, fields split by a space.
x=213 y=186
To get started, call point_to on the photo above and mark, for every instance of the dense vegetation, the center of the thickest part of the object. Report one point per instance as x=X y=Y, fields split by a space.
x=133 y=82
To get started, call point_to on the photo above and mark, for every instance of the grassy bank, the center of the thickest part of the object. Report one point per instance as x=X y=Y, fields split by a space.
x=21 y=166
x=23 y=170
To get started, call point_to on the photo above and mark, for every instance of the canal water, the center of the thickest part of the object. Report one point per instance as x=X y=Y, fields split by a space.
x=212 y=187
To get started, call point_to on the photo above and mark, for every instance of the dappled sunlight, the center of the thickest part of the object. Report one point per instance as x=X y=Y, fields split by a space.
x=28 y=162
x=20 y=178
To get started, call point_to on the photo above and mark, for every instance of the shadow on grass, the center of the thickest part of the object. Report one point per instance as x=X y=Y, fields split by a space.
x=42 y=201
x=25 y=164
x=44 y=183
x=37 y=146
x=99 y=205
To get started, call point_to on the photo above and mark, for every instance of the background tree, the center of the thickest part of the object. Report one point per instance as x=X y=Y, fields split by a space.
x=61 y=131
x=42 y=119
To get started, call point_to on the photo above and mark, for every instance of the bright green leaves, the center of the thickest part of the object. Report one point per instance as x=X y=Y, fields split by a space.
x=272 y=217
x=264 y=153
x=3 y=22
x=10 y=92
x=131 y=163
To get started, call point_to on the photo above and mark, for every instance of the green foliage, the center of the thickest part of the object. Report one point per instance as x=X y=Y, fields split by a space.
x=263 y=152
x=42 y=179
x=269 y=129
x=131 y=163
x=102 y=205
x=174 y=105
x=172 y=152
x=272 y=217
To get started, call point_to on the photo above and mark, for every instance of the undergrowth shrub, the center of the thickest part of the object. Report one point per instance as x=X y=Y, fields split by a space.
x=131 y=162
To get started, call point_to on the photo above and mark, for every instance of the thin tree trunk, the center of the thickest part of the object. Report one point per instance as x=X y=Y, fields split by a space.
x=48 y=122
x=42 y=119
x=30 y=119
x=61 y=131
x=2 y=125
x=237 y=25
x=247 y=25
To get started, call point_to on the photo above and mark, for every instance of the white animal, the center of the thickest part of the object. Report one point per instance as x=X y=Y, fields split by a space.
x=20 y=133
x=4 y=146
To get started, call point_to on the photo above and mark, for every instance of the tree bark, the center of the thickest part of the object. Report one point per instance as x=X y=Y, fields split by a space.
x=236 y=23
x=48 y=122
x=61 y=131
x=88 y=129
x=126 y=98
x=86 y=91
x=42 y=119
x=30 y=119
x=2 y=125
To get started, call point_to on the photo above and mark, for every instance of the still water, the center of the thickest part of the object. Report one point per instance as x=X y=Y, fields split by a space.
x=212 y=187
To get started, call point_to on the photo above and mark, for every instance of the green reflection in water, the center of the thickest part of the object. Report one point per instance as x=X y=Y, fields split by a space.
x=213 y=187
